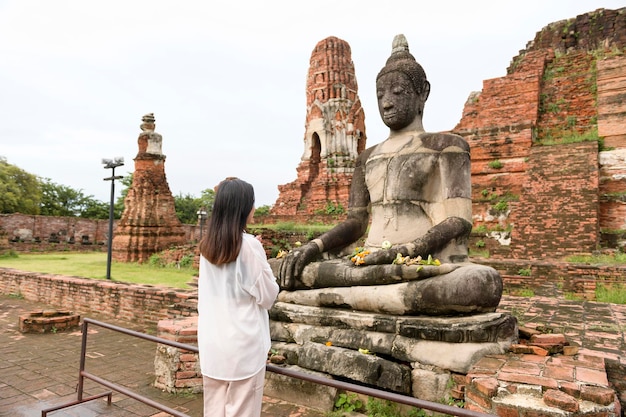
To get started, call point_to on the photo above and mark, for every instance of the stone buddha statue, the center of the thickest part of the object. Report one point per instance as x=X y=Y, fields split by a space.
x=416 y=187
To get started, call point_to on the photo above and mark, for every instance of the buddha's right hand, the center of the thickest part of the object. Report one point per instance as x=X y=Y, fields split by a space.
x=385 y=256
x=293 y=264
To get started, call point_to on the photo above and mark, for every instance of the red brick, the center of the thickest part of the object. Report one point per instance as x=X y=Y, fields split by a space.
x=191 y=331
x=186 y=374
x=189 y=366
x=571 y=388
x=521 y=348
x=521 y=367
x=559 y=399
x=475 y=407
x=188 y=383
x=540 y=351
x=486 y=386
x=598 y=395
x=549 y=338
x=533 y=413
x=563 y=373
x=188 y=357
x=591 y=376
x=506 y=411
x=527 y=332
x=528 y=379
x=488 y=363
x=478 y=399
x=591 y=361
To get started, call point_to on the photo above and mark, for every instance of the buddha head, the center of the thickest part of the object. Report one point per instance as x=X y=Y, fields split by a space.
x=401 y=87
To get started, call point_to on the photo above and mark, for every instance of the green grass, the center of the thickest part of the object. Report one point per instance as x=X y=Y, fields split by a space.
x=293 y=227
x=616 y=294
x=93 y=265
x=613 y=259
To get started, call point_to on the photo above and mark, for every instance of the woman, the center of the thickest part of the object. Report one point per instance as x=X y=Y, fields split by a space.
x=236 y=287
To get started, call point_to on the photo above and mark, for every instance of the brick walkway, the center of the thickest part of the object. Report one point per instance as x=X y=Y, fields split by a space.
x=38 y=371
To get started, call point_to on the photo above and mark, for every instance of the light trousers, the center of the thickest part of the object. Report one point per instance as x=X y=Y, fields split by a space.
x=242 y=398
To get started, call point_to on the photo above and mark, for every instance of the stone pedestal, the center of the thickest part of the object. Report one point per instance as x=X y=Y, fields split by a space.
x=386 y=351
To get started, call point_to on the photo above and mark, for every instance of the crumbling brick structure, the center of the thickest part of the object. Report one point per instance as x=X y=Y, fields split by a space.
x=149 y=223
x=334 y=136
x=548 y=142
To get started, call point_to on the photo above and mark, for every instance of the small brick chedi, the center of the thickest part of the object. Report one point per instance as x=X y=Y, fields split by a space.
x=149 y=223
x=334 y=135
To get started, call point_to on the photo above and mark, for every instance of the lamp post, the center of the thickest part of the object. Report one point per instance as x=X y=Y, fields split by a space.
x=201 y=218
x=111 y=164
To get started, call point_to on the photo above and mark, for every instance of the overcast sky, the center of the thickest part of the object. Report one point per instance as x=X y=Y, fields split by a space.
x=226 y=79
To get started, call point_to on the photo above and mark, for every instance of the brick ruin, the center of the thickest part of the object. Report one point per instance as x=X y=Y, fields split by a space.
x=149 y=223
x=334 y=136
x=537 y=189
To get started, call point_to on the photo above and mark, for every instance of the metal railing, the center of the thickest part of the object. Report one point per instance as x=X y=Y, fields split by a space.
x=371 y=392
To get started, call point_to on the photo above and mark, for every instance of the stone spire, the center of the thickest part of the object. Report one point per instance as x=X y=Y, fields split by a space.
x=149 y=223
x=334 y=134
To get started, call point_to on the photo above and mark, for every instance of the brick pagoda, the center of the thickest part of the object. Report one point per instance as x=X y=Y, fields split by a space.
x=334 y=135
x=149 y=223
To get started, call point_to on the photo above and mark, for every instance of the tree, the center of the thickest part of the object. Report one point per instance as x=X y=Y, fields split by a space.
x=20 y=191
x=61 y=200
x=207 y=198
x=187 y=206
x=95 y=209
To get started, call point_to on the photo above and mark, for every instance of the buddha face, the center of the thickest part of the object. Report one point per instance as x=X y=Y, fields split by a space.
x=398 y=102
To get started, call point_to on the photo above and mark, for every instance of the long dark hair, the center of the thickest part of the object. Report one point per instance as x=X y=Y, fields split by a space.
x=234 y=199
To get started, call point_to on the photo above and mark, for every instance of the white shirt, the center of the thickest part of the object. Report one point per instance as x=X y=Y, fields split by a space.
x=233 y=322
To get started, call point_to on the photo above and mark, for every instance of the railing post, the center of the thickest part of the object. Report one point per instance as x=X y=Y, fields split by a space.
x=83 y=354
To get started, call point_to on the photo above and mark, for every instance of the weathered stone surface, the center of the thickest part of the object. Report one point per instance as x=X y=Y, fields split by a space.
x=456 y=357
x=343 y=319
x=488 y=327
x=437 y=295
x=377 y=342
x=365 y=368
x=298 y=391
x=149 y=223
x=334 y=136
x=477 y=328
x=430 y=384
x=450 y=343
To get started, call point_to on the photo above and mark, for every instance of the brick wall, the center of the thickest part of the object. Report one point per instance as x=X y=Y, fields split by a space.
x=24 y=227
x=555 y=200
x=29 y=233
x=554 y=278
x=138 y=304
x=557 y=214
